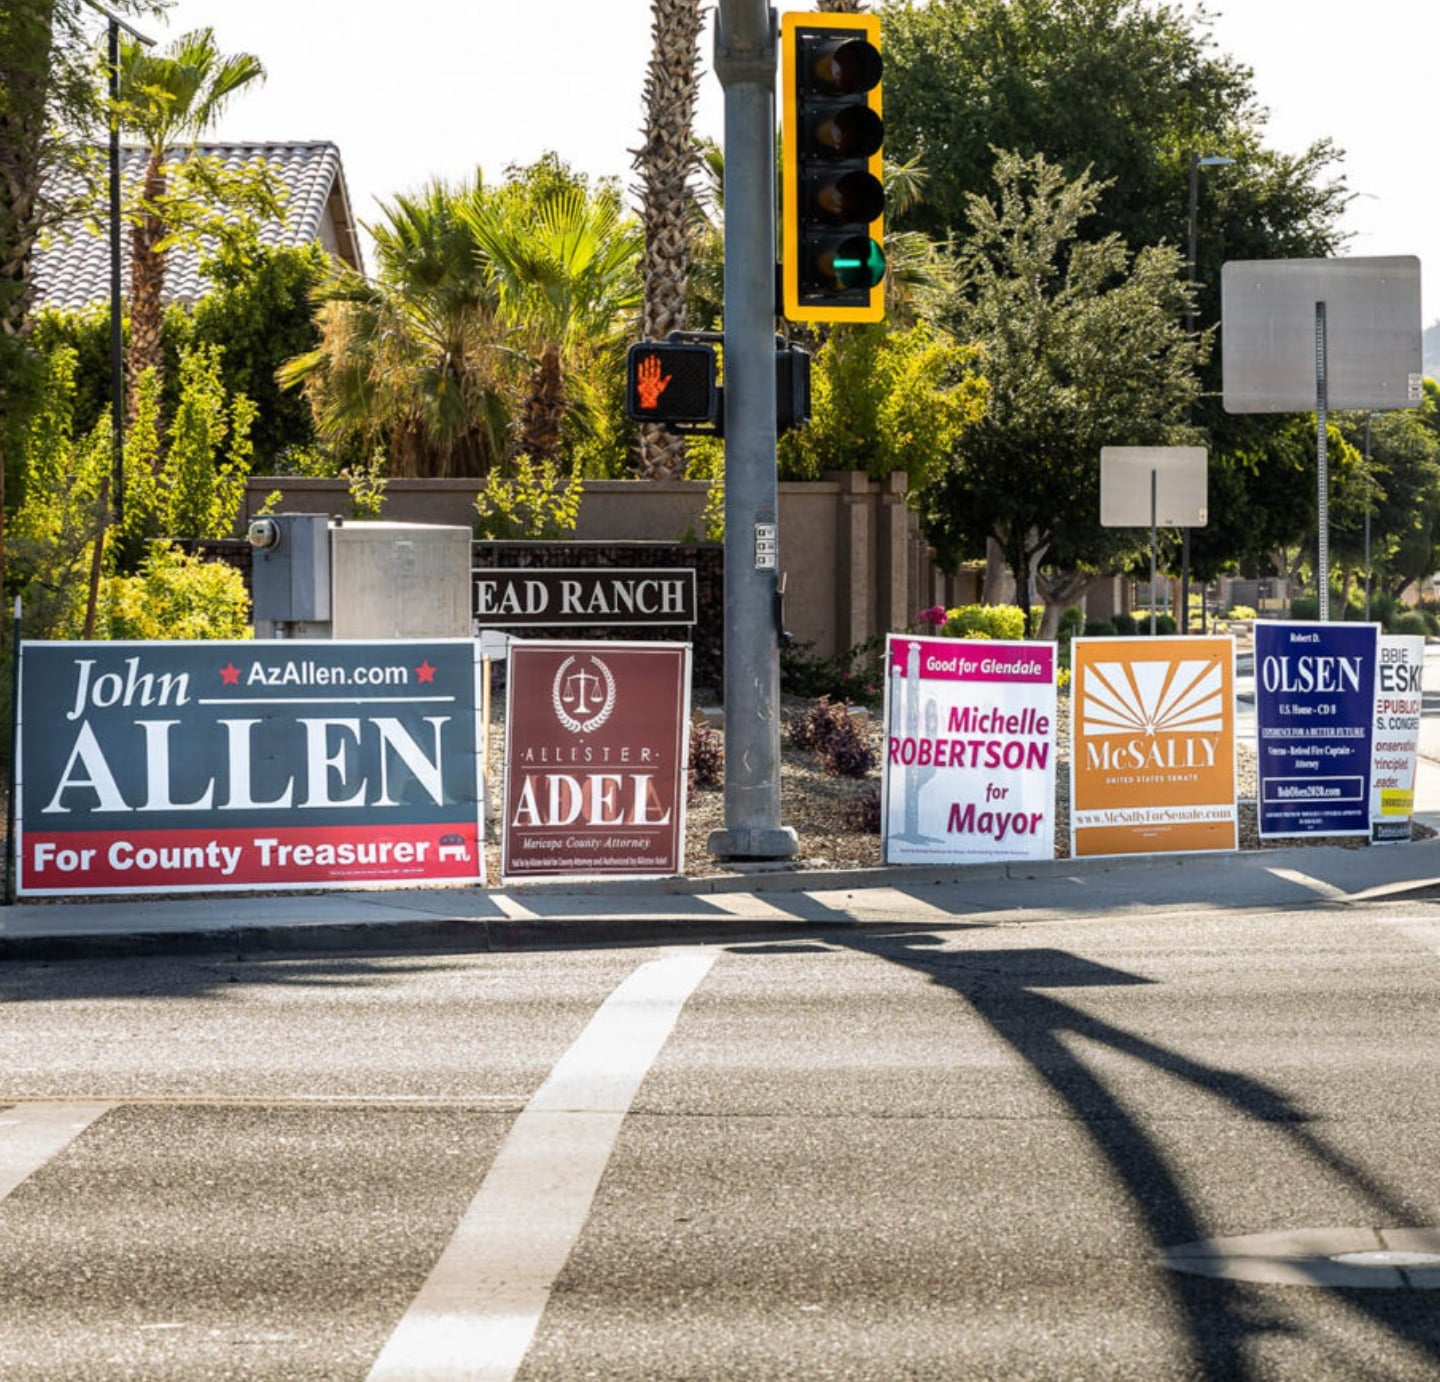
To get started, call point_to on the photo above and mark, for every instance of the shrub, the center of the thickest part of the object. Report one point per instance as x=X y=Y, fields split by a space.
x=985 y=621
x=847 y=752
x=1124 y=623
x=832 y=732
x=1412 y=623
x=1305 y=607
x=1164 y=624
x=175 y=596
x=707 y=756
x=1240 y=612
x=1072 y=621
x=862 y=813
x=854 y=675
x=1098 y=628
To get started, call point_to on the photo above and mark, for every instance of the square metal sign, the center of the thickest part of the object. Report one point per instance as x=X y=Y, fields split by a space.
x=1180 y=486
x=1268 y=335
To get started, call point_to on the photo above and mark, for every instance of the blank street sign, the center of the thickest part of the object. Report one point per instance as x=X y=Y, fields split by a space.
x=1372 y=333
x=1180 y=486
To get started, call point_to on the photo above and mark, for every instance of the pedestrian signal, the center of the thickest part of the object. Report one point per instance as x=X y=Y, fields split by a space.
x=671 y=383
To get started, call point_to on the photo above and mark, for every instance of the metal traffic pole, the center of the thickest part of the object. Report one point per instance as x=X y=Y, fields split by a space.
x=745 y=54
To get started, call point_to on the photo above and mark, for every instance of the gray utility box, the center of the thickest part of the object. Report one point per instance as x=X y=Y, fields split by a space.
x=400 y=580
x=318 y=578
x=290 y=580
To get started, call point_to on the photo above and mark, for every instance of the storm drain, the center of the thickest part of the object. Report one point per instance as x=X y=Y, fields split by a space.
x=1366 y=1259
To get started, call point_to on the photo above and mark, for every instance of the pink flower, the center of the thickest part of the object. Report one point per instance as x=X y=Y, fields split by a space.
x=934 y=616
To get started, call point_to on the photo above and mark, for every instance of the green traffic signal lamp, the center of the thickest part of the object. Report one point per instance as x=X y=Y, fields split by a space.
x=833 y=200
x=857 y=262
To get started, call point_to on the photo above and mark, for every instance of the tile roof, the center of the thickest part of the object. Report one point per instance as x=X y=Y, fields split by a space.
x=73 y=267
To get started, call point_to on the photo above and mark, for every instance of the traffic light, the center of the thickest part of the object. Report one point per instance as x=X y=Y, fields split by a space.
x=832 y=199
x=672 y=383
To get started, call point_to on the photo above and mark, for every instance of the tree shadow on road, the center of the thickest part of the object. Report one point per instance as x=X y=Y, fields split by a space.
x=1012 y=991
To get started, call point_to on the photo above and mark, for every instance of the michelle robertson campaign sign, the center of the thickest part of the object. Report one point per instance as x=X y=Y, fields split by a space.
x=187 y=766
x=1314 y=708
x=969 y=770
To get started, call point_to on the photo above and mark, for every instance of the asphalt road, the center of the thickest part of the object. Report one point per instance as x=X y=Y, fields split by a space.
x=942 y=1150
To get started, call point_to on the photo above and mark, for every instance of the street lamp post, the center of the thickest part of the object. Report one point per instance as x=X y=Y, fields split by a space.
x=1369 y=502
x=1197 y=162
x=113 y=487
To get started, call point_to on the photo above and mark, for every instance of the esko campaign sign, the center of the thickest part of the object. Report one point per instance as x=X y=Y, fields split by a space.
x=1314 y=706
x=1398 y=705
x=969 y=770
x=182 y=766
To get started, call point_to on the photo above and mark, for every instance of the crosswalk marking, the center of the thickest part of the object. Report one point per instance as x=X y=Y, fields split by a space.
x=1315 y=885
x=30 y=1134
x=477 y=1312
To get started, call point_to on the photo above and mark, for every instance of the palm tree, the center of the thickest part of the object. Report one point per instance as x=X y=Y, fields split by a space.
x=563 y=269
x=413 y=365
x=665 y=162
x=167 y=98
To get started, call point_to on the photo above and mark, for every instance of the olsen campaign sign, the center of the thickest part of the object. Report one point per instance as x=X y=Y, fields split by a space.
x=182 y=766
x=596 y=739
x=1152 y=748
x=969 y=770
x=1314 y=706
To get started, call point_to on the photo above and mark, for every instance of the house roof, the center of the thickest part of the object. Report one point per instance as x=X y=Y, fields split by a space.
x=73 y=267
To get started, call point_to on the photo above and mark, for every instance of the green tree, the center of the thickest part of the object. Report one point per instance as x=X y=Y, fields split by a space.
x=883 y=401
x=1401 y=490
x=168 y=98
x=564 y=264
x=413 y=363
x=1082 y=346
x=50 y=104
x=260 y=315
x=666 y=160
x=1127 y=91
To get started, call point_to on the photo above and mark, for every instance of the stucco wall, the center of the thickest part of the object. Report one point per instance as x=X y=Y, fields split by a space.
x=853 y=560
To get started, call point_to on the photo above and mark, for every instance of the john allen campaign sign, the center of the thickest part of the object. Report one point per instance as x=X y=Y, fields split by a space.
x=171 y=767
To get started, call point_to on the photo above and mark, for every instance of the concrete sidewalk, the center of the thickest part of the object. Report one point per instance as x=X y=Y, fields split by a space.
x=739 y=904
x=720 y=907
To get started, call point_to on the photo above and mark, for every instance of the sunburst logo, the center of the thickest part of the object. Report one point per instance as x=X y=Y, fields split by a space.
x=1153 y=698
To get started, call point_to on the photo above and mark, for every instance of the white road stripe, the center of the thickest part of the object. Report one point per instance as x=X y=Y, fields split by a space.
x=1315 y=885
x=477 y=1312
x=30 y=1134
x=513 y=909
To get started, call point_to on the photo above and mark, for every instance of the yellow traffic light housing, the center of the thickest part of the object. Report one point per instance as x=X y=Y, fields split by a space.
x=832 y=197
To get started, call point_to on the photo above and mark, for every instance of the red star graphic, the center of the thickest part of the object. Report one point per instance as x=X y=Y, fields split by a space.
x=230 y=674
x=425 y=672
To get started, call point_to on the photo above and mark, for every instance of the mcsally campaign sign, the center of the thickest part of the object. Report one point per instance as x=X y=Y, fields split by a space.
x=180 y=766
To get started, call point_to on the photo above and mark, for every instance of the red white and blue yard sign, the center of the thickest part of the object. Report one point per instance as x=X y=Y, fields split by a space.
x=187 y=766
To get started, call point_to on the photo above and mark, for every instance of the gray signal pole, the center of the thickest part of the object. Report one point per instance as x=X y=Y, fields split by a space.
x=745 y=64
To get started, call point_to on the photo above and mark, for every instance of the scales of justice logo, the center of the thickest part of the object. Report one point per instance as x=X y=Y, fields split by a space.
x=583 y=694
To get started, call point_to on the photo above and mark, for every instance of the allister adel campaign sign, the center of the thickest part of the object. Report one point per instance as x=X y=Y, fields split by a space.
x=185 y=766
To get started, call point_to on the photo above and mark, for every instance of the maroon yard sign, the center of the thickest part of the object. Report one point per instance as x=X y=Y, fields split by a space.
x=596 y=742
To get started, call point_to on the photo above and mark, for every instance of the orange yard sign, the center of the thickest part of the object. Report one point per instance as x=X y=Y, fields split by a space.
x=1152 y=745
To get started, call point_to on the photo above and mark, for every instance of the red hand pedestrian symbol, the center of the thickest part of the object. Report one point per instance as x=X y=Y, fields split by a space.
x=648 y=383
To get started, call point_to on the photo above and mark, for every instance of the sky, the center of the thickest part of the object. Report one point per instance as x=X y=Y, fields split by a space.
x=437 y=87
